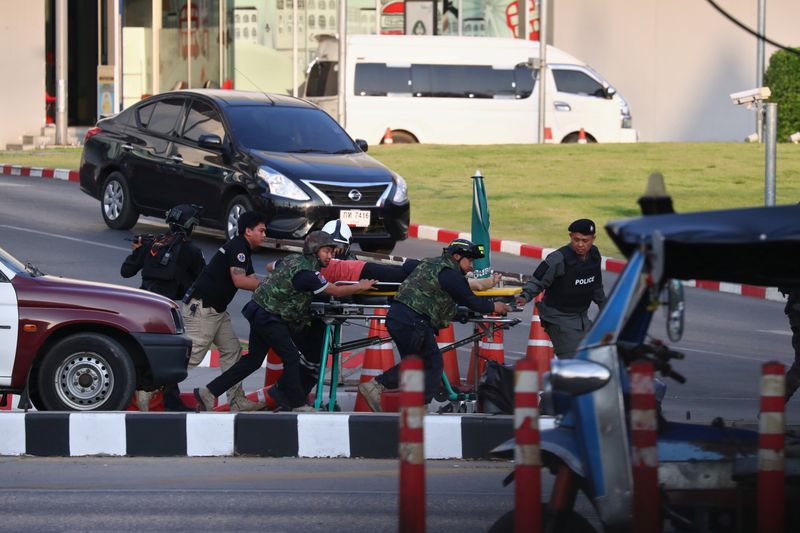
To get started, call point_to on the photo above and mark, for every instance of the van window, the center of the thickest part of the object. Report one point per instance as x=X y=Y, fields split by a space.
x=576 y=82
x=323 y=78
x=443 y=81
x=376 y=79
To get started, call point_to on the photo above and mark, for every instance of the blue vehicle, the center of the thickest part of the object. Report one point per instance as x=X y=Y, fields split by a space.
x=707 y=474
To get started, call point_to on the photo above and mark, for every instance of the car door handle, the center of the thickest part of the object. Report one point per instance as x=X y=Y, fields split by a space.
x=178 y=158
x=127 y=147
x=562 y=106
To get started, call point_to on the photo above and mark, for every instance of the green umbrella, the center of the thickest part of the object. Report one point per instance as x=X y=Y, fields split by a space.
x=480 y=225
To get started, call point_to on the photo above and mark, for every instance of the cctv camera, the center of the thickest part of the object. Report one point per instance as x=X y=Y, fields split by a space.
x=751 y=96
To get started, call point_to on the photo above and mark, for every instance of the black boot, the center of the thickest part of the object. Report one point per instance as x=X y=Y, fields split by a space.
x=172 y=399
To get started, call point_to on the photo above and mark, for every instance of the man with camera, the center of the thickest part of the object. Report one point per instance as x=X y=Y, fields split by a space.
x=169 y=264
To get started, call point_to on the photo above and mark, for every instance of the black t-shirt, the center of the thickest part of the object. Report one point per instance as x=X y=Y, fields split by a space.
x=215 y=285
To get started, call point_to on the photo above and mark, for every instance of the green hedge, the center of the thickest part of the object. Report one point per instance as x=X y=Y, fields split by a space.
x=783 y=78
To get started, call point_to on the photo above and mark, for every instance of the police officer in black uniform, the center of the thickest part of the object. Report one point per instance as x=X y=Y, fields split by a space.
x=205 y=305
x=169 y=263
x=571 y=278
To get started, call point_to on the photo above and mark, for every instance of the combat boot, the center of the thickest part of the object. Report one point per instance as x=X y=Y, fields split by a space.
x=372 y=391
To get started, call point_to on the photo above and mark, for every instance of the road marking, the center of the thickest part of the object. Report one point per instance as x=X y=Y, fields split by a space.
x=67 y=238
x=732 y=356
x=5 y=184
x=775 y=332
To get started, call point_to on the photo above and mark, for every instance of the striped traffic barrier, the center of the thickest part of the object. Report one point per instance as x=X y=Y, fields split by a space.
x=527 y=455
x=644 y=440
x=412 y=449
x=771 y=448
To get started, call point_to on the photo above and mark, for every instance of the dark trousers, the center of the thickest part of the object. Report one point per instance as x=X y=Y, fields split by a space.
x=418 y=338
x=565 y=340
x=266 y=333
x=793 y=374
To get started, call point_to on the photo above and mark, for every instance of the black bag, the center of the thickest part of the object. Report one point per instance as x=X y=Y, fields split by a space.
x=496 y=389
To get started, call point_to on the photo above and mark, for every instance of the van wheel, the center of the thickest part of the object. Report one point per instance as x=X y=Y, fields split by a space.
x=571 y=523
x=238 y=205
x=86 y=372
x=573 y=138
x=116 y=203
x=402 y=137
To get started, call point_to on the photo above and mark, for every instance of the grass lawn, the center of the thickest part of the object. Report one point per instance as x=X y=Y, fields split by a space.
x=535 y=191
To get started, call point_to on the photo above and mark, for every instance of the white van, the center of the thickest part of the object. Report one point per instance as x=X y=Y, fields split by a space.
x=464 y=90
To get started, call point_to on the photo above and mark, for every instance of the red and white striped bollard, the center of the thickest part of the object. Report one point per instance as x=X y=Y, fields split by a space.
x=527 y=455
x=412 y=448
x=644 y=441
x=771 y=448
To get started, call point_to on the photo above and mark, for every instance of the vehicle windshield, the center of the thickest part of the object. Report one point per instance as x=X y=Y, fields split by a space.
x=288 y=129
x=10 y=262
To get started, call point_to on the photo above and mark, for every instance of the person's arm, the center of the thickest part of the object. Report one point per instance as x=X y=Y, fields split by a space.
x=340 y=291
x=599 y=295
x=134 y=262
x=543 y=276
x=457 y=287
x=482 y=284
x=243 y=281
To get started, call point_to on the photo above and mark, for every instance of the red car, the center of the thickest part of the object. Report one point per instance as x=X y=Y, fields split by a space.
x=84 y=346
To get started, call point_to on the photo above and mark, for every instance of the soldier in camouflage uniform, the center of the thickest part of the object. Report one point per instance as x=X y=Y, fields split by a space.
x=426 y=302
x=281 y=306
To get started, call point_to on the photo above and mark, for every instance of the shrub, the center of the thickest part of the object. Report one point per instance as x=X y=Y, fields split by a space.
x=783 y=79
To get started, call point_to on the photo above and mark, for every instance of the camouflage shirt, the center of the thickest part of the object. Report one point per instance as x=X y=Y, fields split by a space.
x=277 y=294
x=422 y=292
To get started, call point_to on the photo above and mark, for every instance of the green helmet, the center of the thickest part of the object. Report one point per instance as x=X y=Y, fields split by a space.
x=465 y=248
x=316 y=240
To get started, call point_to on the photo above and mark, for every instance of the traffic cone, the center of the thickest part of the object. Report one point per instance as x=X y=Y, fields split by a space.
x=374 y=361
x=581 y=136
x=540 y=347
x=377 y=328
x=488 y=348
x=445 y=337
x=274 y=368
x=548 y=136
x=387 y=137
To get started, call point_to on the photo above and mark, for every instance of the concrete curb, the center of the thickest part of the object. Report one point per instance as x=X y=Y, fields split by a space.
x=431 y=233
x=368 y=435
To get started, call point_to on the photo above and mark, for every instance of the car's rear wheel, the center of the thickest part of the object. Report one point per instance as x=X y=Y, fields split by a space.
x=238 y=205
x=116 y=203
x=380 y=247
x=86 y=372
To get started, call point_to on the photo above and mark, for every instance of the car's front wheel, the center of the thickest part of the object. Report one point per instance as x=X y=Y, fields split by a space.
x=116 y=203
x=238 y=205
x=86 y=372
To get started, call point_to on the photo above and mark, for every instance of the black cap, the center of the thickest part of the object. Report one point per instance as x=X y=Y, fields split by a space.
x=582 y=225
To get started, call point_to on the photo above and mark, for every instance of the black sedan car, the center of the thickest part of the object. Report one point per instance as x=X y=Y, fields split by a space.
x=233 y=151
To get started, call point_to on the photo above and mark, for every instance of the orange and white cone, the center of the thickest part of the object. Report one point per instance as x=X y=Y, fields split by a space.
x=446 y=337
x=540 y=347
x=274 y=368
x=377 y=328
x=548 y=136
x=488 y=348
x=582 y=136
x=387 y=137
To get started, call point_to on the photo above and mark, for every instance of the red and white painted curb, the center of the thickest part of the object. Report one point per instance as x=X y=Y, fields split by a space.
x=431 y=233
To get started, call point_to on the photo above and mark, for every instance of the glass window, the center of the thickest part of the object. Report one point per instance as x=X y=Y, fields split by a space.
x=322 y=22
x=323 y=78
x=462 y=81
x=246 y=18
x=144 y=113
x=253 y=18
x=311 y=20
x=576 y=82
x=287 y=129
x=246 y=33
x=376 y=79
x=202 y=120
x=165 y=116
x=523 y=81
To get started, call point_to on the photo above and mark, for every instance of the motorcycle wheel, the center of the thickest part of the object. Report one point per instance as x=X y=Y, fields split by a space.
x=573 y=523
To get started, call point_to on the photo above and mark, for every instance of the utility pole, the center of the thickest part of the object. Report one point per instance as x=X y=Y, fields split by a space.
x=542 y=82
x=61 y=72
x=762 y=23
x=342 y=67
x=770 y=153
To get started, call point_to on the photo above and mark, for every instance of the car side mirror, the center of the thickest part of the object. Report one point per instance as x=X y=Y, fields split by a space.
x=362 y=145
x=210 y=141
x=675 y=310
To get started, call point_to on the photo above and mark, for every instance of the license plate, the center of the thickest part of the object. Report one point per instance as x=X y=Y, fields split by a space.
x=355 y=217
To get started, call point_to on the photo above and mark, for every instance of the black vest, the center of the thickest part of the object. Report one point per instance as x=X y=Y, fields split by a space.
x=572 y=292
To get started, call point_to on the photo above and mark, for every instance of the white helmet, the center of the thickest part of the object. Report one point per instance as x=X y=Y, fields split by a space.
x=341 y=234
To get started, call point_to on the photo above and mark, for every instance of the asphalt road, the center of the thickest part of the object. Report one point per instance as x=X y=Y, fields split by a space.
x=54 y=225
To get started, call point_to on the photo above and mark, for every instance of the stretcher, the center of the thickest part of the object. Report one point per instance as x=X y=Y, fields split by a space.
x=363 y=306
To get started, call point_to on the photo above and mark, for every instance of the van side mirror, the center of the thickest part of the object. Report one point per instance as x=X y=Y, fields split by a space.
x=210 y=141
x=362 y=145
